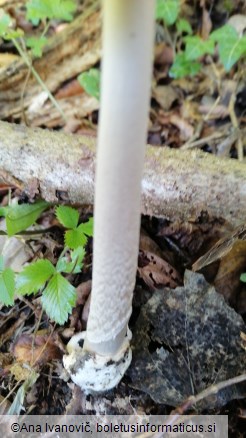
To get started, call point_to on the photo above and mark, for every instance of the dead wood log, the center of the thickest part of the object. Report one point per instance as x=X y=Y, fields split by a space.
x=176 y=184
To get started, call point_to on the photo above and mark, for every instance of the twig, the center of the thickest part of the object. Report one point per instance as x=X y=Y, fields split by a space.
x=235 y=124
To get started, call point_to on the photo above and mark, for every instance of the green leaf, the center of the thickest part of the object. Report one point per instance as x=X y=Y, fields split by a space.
x=223 y=33
x=46 y=9
x=87 y=227
x=75 y=238
x=11 y=34
x=90 y=82
x=183 y=26
x=36 y=44
x=75 y=265
x=5 y=22
x=196 y=47
x=243 y=277
x=20 y=217
x=3 y=211
x=58 y=298
x=67 y=216
x=6 y=31
x=7 y=287
x=182 y=67
x=231 y=46
x=231 y=51
x=167 y=10
x=34 y=276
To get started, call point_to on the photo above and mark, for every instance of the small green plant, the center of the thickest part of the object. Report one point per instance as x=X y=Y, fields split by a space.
x=90 y=81
x=58 y=295
x=76 y=235
x=38 y=10
x=231 y=45
x=20 y=217
x=167 y=10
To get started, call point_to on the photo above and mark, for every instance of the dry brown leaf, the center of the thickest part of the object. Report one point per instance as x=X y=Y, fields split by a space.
x=186 y=129
x=191 y=236
x=227 y=280
x=36 y=350
x=156 y=272
x=148 y=244
x=221 y=248
x=7 y=58
x=83 y=290
x=206 y=24
x=20 y=372
x=72 y=88
x=165 y=95
x=163 y=54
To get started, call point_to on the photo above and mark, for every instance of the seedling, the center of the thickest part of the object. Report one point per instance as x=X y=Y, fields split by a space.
x=58 y=295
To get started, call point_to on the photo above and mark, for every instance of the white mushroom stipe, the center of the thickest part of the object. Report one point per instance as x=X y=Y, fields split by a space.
x=128 y=37
x=94 y=372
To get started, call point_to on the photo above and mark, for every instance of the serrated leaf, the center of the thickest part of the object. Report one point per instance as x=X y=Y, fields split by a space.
x=243 y=277
x=20 y=217
x=7 y=287
x=184 y=26
x=90 y=82
x=87 y=227
x=167 y=10
x=74 y=265
x=58 y=298
x=75 y=238
x=34 y=276
x=68 y=216
x=182 y=67
x=37 y=45
x=45 y=9
x=196 y=47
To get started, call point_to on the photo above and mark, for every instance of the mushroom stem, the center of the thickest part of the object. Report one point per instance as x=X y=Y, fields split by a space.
x=128 y=34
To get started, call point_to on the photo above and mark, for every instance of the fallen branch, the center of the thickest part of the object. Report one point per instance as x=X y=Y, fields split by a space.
x=176 y=184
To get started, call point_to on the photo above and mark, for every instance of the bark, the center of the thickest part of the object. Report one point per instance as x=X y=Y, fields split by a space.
x=176 y=184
